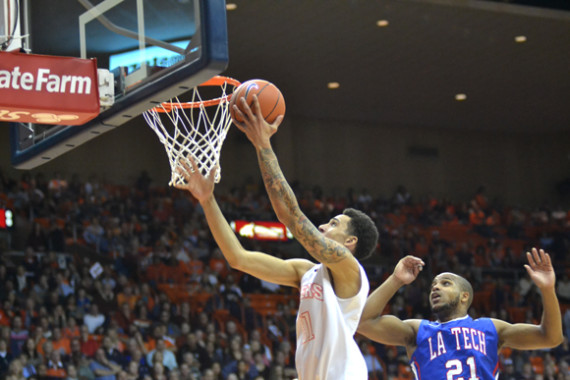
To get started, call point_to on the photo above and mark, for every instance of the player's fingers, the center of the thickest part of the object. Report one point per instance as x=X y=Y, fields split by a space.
x=248 y=111
x=213 y=172
x=547 y=259
x=415 y=260
x=536 y=256
x=183 y=172
x=192 y=163
x=528 y=269
x=184 y=164
x=181 y=186
x=530 y=259
x=256 y=106
x=238 y=112
x=278 y=121
x=417 y=269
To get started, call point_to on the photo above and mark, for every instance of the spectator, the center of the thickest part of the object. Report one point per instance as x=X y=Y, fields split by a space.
x=94 y=319
x=142 y=320
x=72 y=372
x=112 y=353
x=128 y=295
x=31 y=263
x=94 y=234
x=105 y=297
x=186 y=374
x=89 y=345
x=132 y=371
x=28 y=368
x=158 y=371
x=29 y=349
x=5 y=357
x=22 y=285
x=143 y=367
x=41 y=288
x=55 y=367
x=172 y=329
x=168 y=358
x=70 y=329
x=60 y=343
x=18 y=336
x=64 y=286
x=83 y=300
x=102 y=368
x=29 y=313
x=75 y=351
x=15 y=370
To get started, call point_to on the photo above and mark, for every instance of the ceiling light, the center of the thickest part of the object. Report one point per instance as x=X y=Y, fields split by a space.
x=382 y=23
x=231 y=6
x=520 y=39
x=333 y=85
x=460 y=97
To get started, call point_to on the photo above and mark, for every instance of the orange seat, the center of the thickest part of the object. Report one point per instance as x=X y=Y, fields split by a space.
x=222 y=316
x=260 y=302
x=198 y=301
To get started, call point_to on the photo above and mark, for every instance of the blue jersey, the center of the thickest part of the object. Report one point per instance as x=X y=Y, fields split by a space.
x=460 y=349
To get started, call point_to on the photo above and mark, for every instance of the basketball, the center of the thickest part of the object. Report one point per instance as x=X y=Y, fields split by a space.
x=270 y=99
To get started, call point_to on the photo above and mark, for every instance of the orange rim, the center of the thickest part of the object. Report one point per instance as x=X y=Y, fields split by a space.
x=218 y=80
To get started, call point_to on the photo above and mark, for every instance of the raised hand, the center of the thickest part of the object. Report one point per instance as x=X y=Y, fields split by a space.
x=200 y=186
x=540 y=269
x=408 y=269
x=257 y=130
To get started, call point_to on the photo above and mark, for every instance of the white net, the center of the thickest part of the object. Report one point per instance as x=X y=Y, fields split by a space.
x=197 y=128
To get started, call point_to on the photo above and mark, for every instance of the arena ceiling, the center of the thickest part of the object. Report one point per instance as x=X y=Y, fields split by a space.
x=409 y=72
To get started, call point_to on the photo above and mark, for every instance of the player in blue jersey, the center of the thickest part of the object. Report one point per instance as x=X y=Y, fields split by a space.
x=455 y=346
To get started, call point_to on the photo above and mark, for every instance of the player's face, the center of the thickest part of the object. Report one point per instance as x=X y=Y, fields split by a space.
x=444 y=294
x=336 y=228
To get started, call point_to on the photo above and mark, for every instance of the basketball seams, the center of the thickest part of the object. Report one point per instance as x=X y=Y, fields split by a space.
x=274 y=106
x=259 y=91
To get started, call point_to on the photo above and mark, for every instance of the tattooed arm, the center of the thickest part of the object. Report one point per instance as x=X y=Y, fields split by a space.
x=334 y=255
x=258 y=264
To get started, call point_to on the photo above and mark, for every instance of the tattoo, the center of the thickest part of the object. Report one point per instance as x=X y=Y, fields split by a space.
x=325 y=250
x=282 y=198
x=275 y=183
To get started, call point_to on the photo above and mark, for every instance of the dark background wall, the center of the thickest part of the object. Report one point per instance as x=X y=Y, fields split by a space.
x=519 y=169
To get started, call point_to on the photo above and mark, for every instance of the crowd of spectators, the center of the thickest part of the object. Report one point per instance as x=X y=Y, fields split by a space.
x=88 y=273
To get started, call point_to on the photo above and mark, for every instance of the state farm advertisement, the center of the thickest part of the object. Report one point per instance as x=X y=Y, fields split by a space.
x=46 y=89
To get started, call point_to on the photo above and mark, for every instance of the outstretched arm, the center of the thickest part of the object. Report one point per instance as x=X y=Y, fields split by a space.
x=524 y=336
x=258 y=264
x=334 y=255
x=388 y=329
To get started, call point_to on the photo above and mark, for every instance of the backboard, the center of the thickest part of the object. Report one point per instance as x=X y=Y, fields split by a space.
x=156 y=50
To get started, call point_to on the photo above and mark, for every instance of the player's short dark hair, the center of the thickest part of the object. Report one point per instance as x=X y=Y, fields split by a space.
x=465 y=286
x=364 y=228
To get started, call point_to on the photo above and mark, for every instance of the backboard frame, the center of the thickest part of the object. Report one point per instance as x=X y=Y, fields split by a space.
x=174 y=82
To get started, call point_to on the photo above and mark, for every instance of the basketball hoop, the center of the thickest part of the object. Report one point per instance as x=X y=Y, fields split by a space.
x=197 y=128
